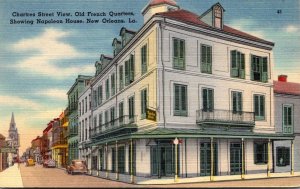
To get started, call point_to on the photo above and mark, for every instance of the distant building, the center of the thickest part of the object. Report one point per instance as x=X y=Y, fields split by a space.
x=36 y=146
x=73 y=96
x=287 y=122
x=3 y=155
x=46 y=142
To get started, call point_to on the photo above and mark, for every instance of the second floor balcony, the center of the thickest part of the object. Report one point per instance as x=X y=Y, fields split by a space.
x=72 y=132
x=59 y=142
x=121 y=122
x=225 y=117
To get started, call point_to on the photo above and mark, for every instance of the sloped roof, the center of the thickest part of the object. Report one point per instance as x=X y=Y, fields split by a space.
x=192 y=18
x=287 y=88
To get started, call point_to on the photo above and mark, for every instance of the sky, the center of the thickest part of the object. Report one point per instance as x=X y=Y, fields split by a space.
x=40 y=62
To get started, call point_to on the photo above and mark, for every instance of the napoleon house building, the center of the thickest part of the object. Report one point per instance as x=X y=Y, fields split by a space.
x=184 y=96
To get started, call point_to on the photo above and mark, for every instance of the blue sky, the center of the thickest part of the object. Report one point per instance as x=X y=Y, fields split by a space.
x=39 y=63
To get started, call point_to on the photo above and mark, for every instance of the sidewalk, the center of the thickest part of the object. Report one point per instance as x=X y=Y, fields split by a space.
x=11 y=177
x=216 y=178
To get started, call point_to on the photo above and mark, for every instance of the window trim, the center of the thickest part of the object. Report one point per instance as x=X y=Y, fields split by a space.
x=202 y=63
x=292 y=118
x=144 y=60
x=265 y=153
x=259 y=117
x=143 y=114
x=180 y=111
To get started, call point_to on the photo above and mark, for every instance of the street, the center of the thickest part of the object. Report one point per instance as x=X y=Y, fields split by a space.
x=37 y=176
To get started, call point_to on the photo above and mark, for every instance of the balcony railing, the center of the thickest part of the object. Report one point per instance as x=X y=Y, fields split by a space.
x=225 y=117
x=114 y=124
x=72 y=132
x=59 y=142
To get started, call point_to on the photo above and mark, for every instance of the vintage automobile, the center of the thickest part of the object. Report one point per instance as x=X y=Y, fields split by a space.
x=49 y=163
x=30 y=162
x=77 y=166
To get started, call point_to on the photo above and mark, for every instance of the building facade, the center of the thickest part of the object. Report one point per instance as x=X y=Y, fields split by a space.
x=73 y=96
x=36 y=146
x=184 y=96
x=46 y=142
x=287 y=121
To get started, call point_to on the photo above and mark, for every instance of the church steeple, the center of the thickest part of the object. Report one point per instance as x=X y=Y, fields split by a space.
x=12 y=125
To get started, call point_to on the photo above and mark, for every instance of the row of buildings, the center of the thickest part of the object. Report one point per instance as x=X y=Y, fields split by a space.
x=9 y=147
x=184 y=96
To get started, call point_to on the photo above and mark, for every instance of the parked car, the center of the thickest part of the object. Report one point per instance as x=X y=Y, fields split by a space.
x=30 y=162
x=77 y=166
x=49 y=163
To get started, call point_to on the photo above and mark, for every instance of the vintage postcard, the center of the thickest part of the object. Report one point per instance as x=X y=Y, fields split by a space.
x=149 y=93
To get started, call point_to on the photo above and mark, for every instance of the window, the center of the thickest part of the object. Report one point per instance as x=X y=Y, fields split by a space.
x=178 y=54
x=236 y=102
x=121 y=113
x=79 y=112
x=101 y=159
x=218 y=17
x=143 y=103
x=113 y=160
x=259 y=68
x=259 y=107
x=95 y=102
x=121 y=77
x=206 y=59
x=82 y=106
x=131 y=108
x=100 y=121
x=86 y=104
x=106 y=118
x=100 y=96
x=208 y=99
x=121 y=159
x=237 y=64
x=261 y=153
x=90 y=101
x=287 y=119
x=107 y=89
x=112 y=116
x=282 y=156
x=129 y=70
x=144 y=59
x=113 y=85
x=180 y=100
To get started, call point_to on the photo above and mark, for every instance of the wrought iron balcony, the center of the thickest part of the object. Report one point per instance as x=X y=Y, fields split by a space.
x=114 y=124
x=225 y=117
x=59 y=142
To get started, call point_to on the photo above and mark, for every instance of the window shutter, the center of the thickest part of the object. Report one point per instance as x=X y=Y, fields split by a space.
x=234 y=67
x=205 y=102
x=242 y=66
x=262 y=106
x=183 y=100
x=176 y=100
x=252 y=67
x=265 y=69
x=176 y=53
x=209 y=61
x=101 y=95
x=240 y=104
x=126 y=73
x=234 y=102
x=203 y=59
x=211 y=100
x=181 y=63
x=121 y=77
x=131 y=74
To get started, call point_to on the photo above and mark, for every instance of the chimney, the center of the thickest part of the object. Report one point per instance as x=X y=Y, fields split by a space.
x=282 y=78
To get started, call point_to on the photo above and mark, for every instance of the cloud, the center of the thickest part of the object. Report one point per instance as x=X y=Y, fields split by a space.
x=247 y=26
x=54 y=93
x=291 y=29
x=13 y=101
x=49 y=51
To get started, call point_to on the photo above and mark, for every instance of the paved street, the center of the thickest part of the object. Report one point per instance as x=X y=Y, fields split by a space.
x=37 y=176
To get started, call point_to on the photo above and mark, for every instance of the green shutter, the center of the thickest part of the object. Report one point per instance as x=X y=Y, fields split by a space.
x=204 y=99
x=203 y=59
x=211 y=99
x=131 y=66
x=100 y=96
x=144 y=59
x=126 y=73
x=252 y=67
x=181 y=55
x=234 y=67
x=264 y=69
x=242 y=66
x=176 y=100
x=234 y=101
x=121 y=78
x=175 y=53
x=183 y=101
x=209 y=61
x=112 y=84
x=240 y=104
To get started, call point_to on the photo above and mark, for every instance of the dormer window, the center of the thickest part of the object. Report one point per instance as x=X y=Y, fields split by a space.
x=218 y=17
